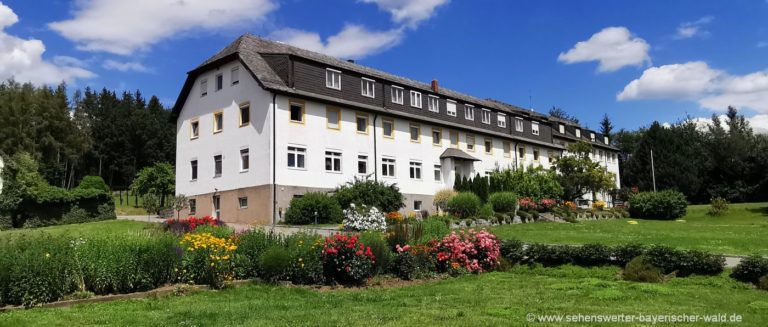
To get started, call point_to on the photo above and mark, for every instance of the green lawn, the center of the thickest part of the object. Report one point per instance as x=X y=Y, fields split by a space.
x=99 y=227
x=743 y=231
x=499 y=299
x=128 y=207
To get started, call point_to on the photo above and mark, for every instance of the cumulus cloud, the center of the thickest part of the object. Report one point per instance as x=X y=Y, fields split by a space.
x=22 y=59
x=695 y=28
x=409 y=12
x=134 y=66
x=613 y=47
x=713 y=89
x=353 y=41
x=122 y=27
x=759 y=123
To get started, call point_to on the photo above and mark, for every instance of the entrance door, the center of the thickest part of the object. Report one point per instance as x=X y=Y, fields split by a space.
x=217 y=206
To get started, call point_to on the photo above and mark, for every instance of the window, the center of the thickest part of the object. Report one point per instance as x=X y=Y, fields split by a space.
x=243 y=202
x=192 y=206
x=433 y=103
x=437 y=136
x=451 y=108
x=454 y=135
x=296 y=157
x=368 y=87
x=388 y=128
x=417 y=205
x=219 y=82
x=578 y=133
x=507 y=147
x=470 y=142
x=362 y=164
x=438 y=173
x=387 y=167
x=502 y=120
x=217 y=165
x=362 y=123
x=245 y=114
x=592 y=137
x=488 y=146
x=561 y=128
x=416 y=99
x=486 y=116
x=605 y=139
x=245 y=161
x=521 y=154
x=203 y=87
x=415 y=170
x=333 y=79
x=415 y=132
x=333 y=118
x=235 y=75
x=536 y=154
x=535 y=128
x=193 y=166
x=397 y=94
x=518 y=124
x=194 y=129
x=333 y=161
x=469 y=112
x=218 y=121
x=297 y=112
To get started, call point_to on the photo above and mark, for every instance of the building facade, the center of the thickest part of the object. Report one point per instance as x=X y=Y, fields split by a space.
x=262 y=122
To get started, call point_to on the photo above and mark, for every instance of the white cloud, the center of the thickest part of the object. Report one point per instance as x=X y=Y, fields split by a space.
x=690 y=29
x=122 y=27
x=21 y=59
x=135 y=66
x=354 y=41
x=613 y=48
x=695 y=81
x=759 y=123
x=409 y=12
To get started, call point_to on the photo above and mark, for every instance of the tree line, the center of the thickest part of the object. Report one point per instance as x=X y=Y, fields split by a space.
x=96 y=133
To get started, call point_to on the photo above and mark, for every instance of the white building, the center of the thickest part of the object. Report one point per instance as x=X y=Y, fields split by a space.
x=261 y=122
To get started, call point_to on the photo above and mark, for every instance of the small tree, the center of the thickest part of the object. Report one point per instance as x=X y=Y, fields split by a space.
x=151 y=204
x=579 y=175
x=180 y=202
x=159 y=180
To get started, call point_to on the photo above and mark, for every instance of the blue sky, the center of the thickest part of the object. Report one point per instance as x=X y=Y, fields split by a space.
x=637 y=61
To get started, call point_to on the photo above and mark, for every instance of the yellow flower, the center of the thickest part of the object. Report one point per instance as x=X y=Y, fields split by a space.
x=47 y=255
x=211 y=264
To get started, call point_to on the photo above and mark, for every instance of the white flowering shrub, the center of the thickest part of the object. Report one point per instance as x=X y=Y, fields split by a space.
x=364 y=218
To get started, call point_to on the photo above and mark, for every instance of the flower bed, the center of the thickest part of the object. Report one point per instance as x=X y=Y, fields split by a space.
x=189 y=224
x=347 y=261
x=473 y=251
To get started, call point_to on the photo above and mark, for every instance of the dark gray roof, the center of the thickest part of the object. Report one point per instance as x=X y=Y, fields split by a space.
x=457 y=154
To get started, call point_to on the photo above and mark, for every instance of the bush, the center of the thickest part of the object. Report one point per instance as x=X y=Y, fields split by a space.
x=685 y=262
x=433 y=229
x=207 y=259
x=548 y=255
x=190 y=224
x=486 y=212
x=640 y=269
x=750 y=269
x=441 y=198
x=414 y=262
x=302 y=210
x=533 y=182
x=527 y=204
x=306 y=264
x=35 y=270
x=718 y=207
x=623 y=254
x=380 y=249
x=385 y=197
x=512 y=250
x=474 y=251
x=589 y=255
x=503 y=202
x=464 y=205
x=347 y=261
x=664 y=205
x=95 y=183
x=251 y=245
x=274 y=264
x=762 y=283
x=361 y=218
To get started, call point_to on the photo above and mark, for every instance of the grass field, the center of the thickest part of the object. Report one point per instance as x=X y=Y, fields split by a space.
x=128 y=207
x=95 y=228
x=742 y=231
x=499 y=299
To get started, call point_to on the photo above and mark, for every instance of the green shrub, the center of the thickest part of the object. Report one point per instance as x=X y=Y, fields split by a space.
x=750 y=269
x=413 y=262
x=640 y=269
x=76 y=215
x=464 y=205
x=503 y=202
x=302 y=210
x=94 y=182
x=664 y=205
x=441 y=198
x=250 y=246
x=718 y=207
x=218 y=231
x=275 y=263
x=531 y=182
x=589 y=255
x=623 y=254
x=685 y=262
x=386 y=197
x=762 y=283
x=512 y=250
x=306 y=259
x=486 y=212
x=548 y=255
x=380 y=248
x=434 y=229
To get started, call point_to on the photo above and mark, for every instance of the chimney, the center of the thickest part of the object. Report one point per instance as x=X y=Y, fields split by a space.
x=351 y=60
x=435 y=87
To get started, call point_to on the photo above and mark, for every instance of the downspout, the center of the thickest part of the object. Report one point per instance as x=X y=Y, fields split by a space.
x=516 y=165
x=274 y=160
x=375 y=151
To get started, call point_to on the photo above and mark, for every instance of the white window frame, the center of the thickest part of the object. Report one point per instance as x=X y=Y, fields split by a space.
x=297 y=151
x=240 y=202
x=368 y=87
x=335 y=157
x=486 y=148
x=391 y=167
x=561 y=128
x=501 y=120
x=245 y=160
x=194 y=170
x=486 y=119
x=414 y=170
x=592 y=137
x=398 y=93
x=535 y=128
x=416 y=99
x=469 y=112
x=578 y=133
x=218 y=87
x=234 y=75
x=203 y=87
x=536 y=154
x=194 y=132
x=362 y=158
x=519 y=124
x=605 y=139
x=334 y=82
x=433 y=103
x=450 y=106
x=221 y=166
x=438 y=173
x=390 y=121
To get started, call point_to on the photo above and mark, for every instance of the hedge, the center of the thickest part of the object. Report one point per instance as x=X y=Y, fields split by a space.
x=664 y=205
x=49 y=205
x=303 y=210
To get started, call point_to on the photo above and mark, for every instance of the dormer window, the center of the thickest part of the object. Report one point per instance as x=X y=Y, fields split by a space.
x=561 y=128
x=368 y=87
x=535 y=128
x=235 y=75
x=501 y=120
x=578 y=133
x=397 y=94
x=450 y=106
x=332 y=79
x=592 y=136
x=518 y=124
x=433 y=103
x=605 y=140
x=486 y=116
x=469 y=112
x=416 y=99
